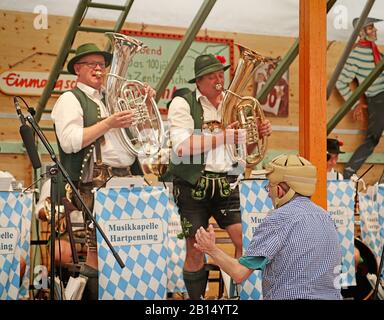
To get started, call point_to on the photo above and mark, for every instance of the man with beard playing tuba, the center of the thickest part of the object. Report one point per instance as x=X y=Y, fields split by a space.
x=200 y=166
x=87 y=138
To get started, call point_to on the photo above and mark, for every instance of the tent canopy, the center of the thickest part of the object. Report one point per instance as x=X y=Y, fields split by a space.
x=272 y=17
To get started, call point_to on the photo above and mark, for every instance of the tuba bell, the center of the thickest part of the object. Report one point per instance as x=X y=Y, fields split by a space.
x=145 y=136
x=246 y=110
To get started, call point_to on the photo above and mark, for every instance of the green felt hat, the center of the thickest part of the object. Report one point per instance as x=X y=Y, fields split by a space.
x=333 y=146
x=84 y=50
x=205 y=64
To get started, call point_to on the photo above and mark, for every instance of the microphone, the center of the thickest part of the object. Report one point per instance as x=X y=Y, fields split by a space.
x=29 y=143
x=18 y=111
x=26 y=134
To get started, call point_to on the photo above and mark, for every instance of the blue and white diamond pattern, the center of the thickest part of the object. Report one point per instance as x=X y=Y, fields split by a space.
x=177 y=251
x=380 y=201
x=25 y=241
x=145 y=274
x=369 y=219
x=254 y=203
x=340 y=195
x=15 y=209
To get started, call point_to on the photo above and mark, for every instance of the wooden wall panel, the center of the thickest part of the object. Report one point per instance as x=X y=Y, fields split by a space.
x=17 y=164
x=27 y=49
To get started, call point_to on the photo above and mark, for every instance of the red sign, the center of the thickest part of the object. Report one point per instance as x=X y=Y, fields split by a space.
x=32 y=83
x=276 y=102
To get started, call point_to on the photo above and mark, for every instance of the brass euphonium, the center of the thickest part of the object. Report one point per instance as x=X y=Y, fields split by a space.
x=246 y=110
x=145 y=136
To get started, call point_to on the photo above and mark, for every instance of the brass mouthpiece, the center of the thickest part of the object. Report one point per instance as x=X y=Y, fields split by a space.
x=218 y=86
x=98 y=74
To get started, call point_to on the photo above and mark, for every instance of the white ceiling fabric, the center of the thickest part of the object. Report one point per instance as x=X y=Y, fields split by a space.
x=266 y=17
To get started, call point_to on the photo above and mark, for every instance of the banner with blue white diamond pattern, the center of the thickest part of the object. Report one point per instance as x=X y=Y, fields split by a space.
x=26 y=221
x=254 y=205
x=369 y=220
x=340 y=196
x=177 y=251
x=15 y=221
x=135 y=221
x=380 y=200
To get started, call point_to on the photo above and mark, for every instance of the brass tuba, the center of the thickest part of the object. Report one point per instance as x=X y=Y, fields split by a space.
x=145 y=136
x=246 y=110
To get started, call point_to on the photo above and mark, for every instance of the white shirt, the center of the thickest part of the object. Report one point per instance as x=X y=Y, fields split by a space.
x=45 y=192
x=334 y=175
x=67 y=115
x=181 y=126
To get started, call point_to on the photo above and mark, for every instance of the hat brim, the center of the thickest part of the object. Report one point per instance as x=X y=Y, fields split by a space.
x=261 y=172
x=367 y=21
x=209 y=70
x=335 y=152
x=107 y=57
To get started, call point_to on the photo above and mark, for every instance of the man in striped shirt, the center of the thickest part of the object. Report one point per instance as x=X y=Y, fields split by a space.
x=296 y=246
x=361 y=61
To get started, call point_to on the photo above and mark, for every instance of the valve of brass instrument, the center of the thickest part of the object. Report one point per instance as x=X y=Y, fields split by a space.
x=248 y=120
x=212 y=126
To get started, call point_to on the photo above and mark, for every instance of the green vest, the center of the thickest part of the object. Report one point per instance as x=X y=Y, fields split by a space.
x=73 y=162
x=190 y=168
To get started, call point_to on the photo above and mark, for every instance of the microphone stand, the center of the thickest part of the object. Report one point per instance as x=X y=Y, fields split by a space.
x=53 y=171
x=58 y=167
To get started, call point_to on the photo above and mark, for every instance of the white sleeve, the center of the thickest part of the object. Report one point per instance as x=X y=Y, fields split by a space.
x=45 y=192
x=67 y=116
x=180 y=121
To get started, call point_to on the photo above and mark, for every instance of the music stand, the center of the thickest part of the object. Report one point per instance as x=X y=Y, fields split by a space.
x=58 y=167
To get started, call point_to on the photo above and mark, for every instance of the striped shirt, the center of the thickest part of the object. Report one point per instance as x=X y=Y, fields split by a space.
x=301 y=242
x=359 y=65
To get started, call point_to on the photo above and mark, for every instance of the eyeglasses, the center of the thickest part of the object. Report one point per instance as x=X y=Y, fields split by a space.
x=93 y=64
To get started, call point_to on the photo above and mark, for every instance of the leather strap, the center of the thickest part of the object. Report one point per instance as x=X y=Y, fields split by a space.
x=98 y=143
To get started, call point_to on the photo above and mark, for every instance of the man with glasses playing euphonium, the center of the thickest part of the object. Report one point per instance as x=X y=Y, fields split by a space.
x=87 y=138
x=200 y=166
